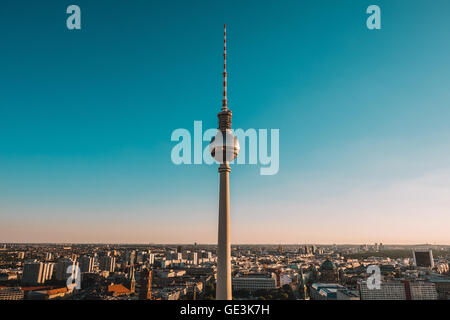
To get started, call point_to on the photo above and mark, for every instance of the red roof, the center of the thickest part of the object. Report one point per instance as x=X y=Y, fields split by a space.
x=55 y=291
x=35 y=288
x=118 y=288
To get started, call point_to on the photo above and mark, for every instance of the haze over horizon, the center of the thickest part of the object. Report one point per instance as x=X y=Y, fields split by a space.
x=86 y=119
x=215 y=244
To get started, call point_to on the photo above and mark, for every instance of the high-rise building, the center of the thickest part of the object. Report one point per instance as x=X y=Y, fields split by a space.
x=32 y=272
x=193 y=256
x=131 y=257
x=177 y=256
x=107 y=263
x=151 y=258
x=132 y=280
x=86 y=264
x=423 y=258
x=302 y=286
x=145 y=288
x=140 y=257
x=224 y=147
x=306 y=249
x=47 y=273
x=62 y=271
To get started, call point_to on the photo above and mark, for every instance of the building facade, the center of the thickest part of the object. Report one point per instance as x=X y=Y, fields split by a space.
x=254 y=282
x=32 y=272
x=13 y=293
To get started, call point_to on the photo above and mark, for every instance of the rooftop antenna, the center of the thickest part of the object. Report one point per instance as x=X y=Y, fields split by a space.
x=224 y=101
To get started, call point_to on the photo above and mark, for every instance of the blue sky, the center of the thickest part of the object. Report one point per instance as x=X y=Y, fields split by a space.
x=86 y=118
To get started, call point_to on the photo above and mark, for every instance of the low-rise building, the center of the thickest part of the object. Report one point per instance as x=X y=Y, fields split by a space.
x=325 y=291
x=254 y=281
x=11 y=293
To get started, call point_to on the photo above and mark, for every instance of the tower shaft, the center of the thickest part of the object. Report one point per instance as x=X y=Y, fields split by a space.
x=223 y=289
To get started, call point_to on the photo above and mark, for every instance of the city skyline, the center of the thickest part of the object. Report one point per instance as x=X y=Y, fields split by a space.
x=86 y=118
x=188 y=244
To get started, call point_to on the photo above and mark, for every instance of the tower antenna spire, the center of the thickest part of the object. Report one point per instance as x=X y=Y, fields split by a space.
x=224 y=101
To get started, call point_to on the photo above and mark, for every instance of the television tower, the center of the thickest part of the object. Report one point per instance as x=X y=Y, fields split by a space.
x=224 y=147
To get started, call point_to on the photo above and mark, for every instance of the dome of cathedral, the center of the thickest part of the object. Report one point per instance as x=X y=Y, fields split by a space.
x=328 y=265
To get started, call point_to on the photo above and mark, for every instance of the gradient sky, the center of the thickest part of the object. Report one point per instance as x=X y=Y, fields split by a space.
x=86 y=118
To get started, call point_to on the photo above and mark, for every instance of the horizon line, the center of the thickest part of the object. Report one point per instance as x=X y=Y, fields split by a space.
x=215 y=244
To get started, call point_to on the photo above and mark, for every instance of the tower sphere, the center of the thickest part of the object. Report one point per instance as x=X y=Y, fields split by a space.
x=224 y=147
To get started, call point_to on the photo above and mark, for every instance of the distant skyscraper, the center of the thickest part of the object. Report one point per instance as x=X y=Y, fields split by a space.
x=145 y=288
x=306 y=249
x=132 y=280
x=302 y=286
x=130 y=257
x=86 y=264
x=151 y=258
x=423 y=258
x=139 y=257
x=107 y=263
x=193 y=256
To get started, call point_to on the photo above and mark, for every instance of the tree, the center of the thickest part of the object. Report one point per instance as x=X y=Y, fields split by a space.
x=243 y=293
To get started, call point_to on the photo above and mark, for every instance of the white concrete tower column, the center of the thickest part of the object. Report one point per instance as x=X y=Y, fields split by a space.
x=223 y=290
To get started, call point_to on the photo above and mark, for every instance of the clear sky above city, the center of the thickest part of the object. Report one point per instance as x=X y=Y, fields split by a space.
x=86 y=118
